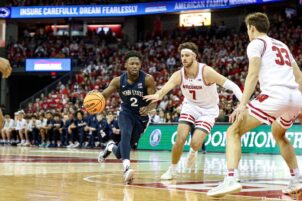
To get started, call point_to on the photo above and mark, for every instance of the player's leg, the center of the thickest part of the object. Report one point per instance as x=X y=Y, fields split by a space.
x=233 y=154
x=287 y=151
x=183 y=130
x=204 y=123
x=197 y=140
x=123 y=149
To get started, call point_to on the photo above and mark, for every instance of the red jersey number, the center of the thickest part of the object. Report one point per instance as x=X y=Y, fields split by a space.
x=193 y=92
x=282 y=56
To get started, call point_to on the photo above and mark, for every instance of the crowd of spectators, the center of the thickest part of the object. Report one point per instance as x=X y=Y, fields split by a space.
x=102 y=59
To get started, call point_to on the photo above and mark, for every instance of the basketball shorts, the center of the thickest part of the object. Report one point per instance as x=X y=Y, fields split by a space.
x=283 y=106
x=202 y=118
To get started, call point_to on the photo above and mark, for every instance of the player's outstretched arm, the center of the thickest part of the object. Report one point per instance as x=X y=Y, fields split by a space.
x=174 y=80
x=112 y=87
x=249 y=88
x=211 y=76
x=151 y=89
x=5 y=67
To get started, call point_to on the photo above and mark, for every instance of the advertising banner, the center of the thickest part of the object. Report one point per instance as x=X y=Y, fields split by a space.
x=117 y=10
x=53 y=65
x=259 y=140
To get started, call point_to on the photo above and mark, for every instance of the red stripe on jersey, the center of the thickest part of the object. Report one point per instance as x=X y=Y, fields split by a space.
x=264 y=47
x=261 y=111
x=203 y=122
x=204 y=81
x=290 y=121
x=285 y=124
x=209 y=128
x=260 y=116
x=187 y=120
x=204 y=127
x=188 y=116
x=181 y=76
x=185 y=116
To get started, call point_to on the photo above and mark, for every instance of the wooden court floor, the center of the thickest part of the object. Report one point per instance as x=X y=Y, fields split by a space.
x=35 y=174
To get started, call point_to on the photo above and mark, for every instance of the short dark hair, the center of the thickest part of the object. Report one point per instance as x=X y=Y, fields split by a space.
x=188 y=45
x=259 y=20
x=133 y=53
x=79 y=111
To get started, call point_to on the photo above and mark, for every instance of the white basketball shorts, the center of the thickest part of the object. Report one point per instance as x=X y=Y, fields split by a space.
x=282 y=106
x=202 y=118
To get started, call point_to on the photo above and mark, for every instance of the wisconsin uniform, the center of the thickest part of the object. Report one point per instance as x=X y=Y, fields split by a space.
x=200 y=105
x=131 y=123
x=280 y=97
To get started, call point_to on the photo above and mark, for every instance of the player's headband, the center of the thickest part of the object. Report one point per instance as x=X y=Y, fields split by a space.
x=188 y=51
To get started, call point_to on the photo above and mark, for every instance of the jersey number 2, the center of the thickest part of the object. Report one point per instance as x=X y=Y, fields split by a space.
x=133 y=102
x=193 y=92
x=282 y=56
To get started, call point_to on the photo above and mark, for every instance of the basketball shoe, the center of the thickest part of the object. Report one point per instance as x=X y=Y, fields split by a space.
x=228 y=186
x=128 y=175
x=169 y=174
x=105 y=153
x=294 y=186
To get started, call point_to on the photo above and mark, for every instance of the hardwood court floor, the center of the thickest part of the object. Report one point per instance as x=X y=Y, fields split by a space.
x=33 y=174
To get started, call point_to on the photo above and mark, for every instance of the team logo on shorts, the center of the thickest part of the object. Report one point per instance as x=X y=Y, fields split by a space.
x=155 y=137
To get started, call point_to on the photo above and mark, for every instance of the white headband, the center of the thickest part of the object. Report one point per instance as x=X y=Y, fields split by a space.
x=187 y=50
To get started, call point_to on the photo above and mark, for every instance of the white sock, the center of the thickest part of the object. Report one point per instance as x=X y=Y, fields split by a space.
x=295 y=172
x=126 y=163
x=232 y=172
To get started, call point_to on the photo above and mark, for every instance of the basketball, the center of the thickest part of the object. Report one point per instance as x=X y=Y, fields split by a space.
x=94 y=102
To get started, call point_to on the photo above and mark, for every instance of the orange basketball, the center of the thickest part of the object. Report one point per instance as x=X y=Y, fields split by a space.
x=94 y=102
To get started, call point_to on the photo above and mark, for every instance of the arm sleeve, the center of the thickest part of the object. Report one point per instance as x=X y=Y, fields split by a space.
x=228 y=84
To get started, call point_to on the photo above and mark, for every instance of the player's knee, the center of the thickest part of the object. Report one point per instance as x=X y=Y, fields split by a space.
x=233 y=132
x=195 y=145
x=279 y=137
x=180 y=140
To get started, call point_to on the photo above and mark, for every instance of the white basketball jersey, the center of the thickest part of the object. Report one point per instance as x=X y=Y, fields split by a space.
x=276 y=60
x=196 y=91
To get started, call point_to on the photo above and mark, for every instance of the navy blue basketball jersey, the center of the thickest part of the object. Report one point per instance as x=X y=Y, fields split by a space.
x=132 y=94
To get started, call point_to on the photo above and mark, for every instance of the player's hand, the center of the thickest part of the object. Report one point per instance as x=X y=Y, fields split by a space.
x=238 y=113
x=5 y=68
x=143 y=111
x=93 y=91
x=153 y=98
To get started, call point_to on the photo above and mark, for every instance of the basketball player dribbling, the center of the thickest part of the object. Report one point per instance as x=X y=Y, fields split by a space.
x=278 y=104
x=133 y=117
x=200 y=106
x=6 y=70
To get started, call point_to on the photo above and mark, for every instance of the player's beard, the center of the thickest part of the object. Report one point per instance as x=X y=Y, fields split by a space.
x=188 y=64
